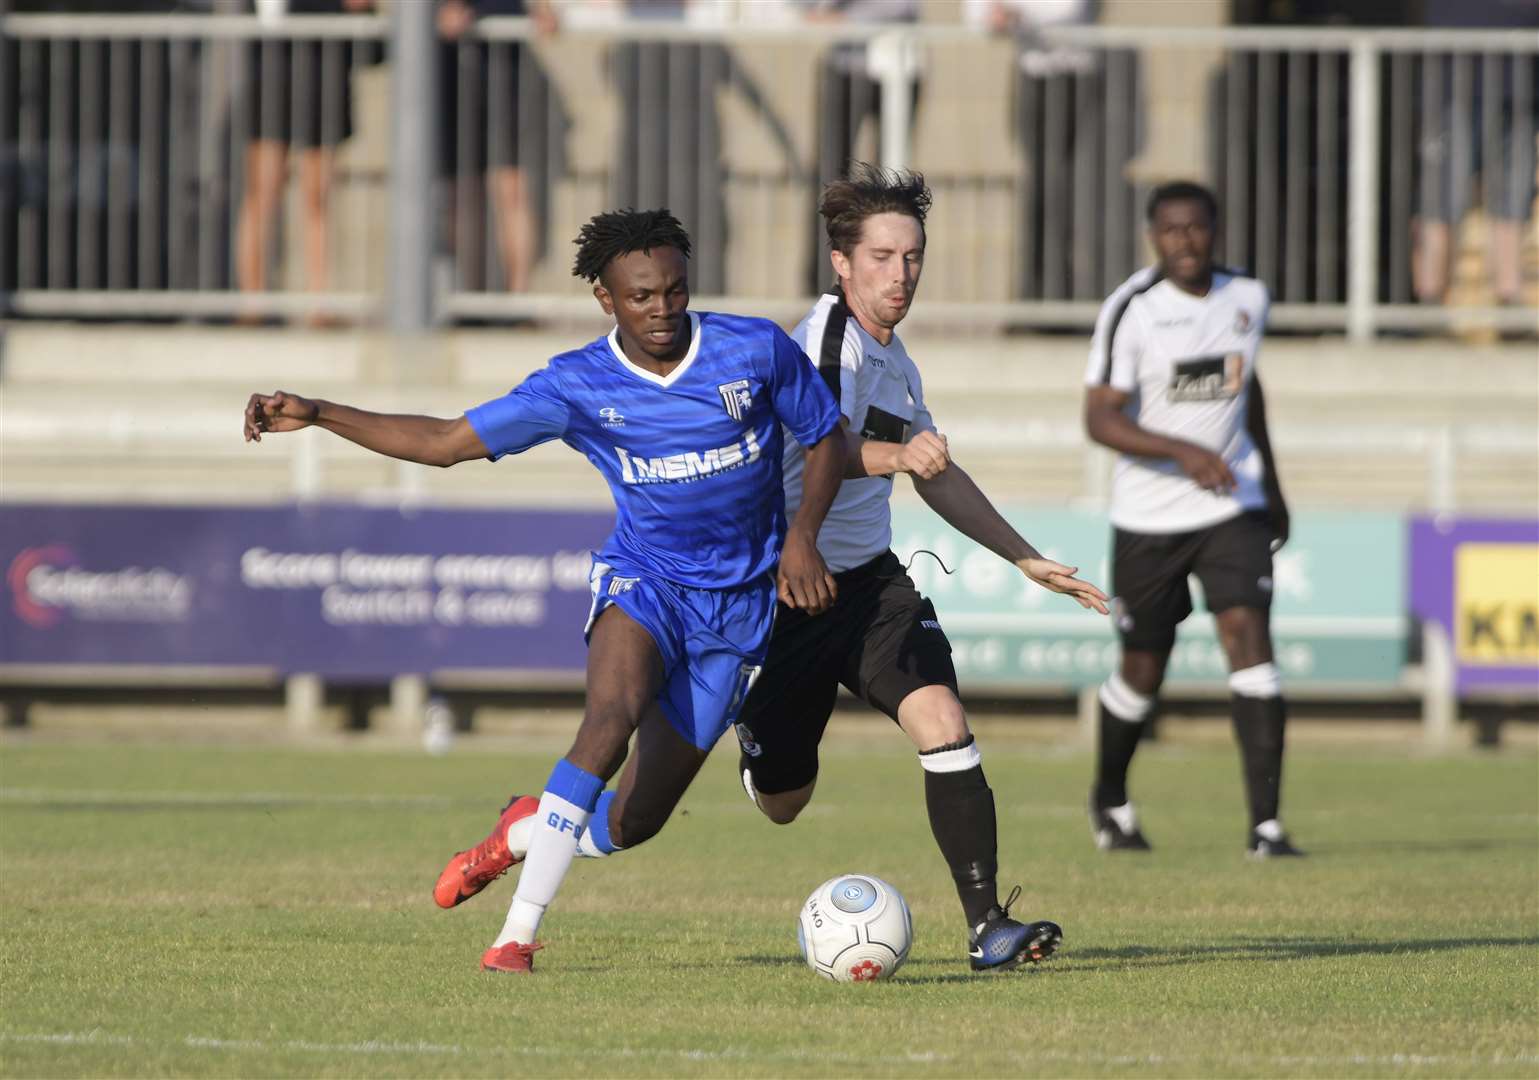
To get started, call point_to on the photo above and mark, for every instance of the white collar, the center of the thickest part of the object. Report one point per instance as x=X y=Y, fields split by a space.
x=682 y=366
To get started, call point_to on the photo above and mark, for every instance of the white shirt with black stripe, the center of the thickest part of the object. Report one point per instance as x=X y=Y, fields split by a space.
x=881 y=395
x=1188 y=362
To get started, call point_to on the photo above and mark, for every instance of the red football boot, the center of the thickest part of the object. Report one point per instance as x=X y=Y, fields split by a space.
x=514 y=957
x=471 y=871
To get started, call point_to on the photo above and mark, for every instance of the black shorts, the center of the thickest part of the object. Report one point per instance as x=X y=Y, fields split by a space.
x=1232 y=559
x=483 y=89
x=881 y=639
x=300 y=92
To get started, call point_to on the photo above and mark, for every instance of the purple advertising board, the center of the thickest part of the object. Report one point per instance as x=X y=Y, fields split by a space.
x=341 y=591
x=1479 y=579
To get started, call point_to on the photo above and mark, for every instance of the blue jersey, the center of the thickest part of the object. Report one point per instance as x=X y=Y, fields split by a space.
x=692 y=457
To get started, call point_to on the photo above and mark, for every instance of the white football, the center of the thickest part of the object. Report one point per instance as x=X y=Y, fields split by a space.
x=855 y=928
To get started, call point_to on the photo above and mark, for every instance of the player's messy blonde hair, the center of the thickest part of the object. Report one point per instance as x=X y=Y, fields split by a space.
x=867 y=191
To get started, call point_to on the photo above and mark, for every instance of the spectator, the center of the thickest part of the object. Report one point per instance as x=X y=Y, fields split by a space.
x=1455 y=150
x=667 y=93
x=491 y=118
x=1049 y=198
x=298 y=95
x=848 y=96
x=56 y=164
x=1024 y=19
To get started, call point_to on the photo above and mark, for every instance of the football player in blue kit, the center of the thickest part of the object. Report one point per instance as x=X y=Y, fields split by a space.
x=682 y=412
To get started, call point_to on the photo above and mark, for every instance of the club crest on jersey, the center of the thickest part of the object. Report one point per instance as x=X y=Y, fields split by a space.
x=736 y=397
x=1241 y=321
x=1122 y=616
x=610 y=416
x=746 y=740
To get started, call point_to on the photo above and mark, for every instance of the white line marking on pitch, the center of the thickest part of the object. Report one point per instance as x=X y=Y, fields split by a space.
x=200 y=1042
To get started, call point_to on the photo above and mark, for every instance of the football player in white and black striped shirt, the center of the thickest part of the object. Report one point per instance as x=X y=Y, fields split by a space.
x=1171 y=384
x=881 y=638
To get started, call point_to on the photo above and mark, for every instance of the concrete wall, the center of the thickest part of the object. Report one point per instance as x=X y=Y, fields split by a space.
x=154 y=413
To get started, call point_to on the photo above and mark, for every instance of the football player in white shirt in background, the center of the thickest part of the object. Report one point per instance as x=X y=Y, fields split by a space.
x=1171 y=385
x=881 y=638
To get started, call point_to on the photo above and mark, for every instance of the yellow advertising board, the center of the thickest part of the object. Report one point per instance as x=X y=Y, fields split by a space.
x=1496 y=603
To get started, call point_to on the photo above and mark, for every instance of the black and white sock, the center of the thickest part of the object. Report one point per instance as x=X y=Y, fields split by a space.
x=962 y=818
x=1123 y=713
x=1259 y=718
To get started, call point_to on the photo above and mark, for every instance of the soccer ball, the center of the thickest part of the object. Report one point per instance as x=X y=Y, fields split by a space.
x=855 y=928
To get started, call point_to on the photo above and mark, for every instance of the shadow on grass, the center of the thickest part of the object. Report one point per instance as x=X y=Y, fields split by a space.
x=1133 y=957
x=776 y=960
x=1263 y=948
x=914 y=971
x=1425 y=847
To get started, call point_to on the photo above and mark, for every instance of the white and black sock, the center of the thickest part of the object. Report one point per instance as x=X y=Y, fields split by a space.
x=1124 y=712
x=962 y=818
x=1260 y=716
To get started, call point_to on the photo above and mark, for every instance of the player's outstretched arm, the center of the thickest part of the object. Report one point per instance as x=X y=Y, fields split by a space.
x=803 y=580
x=956 y=498
x=426 y=440
x=1107 y=424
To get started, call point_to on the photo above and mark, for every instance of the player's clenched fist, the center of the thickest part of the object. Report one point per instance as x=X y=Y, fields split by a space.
x=925 y=455
x=803 y=580
x=278 y=411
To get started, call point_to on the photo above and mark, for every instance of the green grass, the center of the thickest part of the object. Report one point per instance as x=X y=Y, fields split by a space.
x=223 y=911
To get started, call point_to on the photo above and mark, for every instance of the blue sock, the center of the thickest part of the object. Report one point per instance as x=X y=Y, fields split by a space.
x=577 y=786
x=598 y=829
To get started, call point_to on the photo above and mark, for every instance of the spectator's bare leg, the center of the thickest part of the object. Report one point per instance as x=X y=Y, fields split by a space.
x=1506 y=260
x=266 y=165
x=317 y=167
x=466 y=217
x=1429 y=260
x=515 y=227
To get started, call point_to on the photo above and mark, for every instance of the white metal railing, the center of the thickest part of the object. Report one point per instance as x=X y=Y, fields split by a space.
x=1339 y=157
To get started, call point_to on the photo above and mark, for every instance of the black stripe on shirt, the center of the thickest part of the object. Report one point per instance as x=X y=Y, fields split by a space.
x=1111 y=327
x=831 y=348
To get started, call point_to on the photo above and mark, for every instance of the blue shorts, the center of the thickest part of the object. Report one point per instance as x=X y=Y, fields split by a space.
x=712 y=642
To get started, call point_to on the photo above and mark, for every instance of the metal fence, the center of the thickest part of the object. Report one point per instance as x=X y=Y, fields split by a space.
x=359 y=167
x=147 y=161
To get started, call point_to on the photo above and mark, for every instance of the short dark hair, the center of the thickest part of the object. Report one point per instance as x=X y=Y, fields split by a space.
x=869 y=190
x=1182 y=189
x=620 y=232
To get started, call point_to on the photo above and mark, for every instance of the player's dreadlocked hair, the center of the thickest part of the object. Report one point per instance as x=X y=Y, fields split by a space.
x=619 y=232
x=869 y=190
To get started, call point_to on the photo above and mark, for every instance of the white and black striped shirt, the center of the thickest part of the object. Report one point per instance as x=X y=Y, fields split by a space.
x=1188 y=362
x=879 y=392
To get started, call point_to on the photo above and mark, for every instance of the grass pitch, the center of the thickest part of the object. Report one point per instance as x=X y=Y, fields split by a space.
x=251 y=911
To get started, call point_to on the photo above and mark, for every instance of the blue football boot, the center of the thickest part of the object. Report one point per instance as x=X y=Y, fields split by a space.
x=1000 y=943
